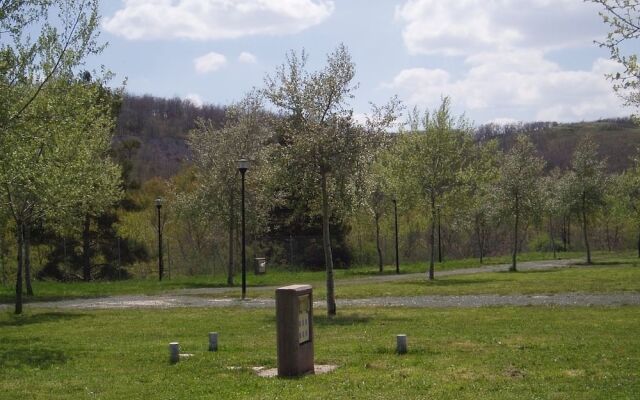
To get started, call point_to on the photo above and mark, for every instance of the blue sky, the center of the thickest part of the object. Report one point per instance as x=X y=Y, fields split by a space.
x=499 y=60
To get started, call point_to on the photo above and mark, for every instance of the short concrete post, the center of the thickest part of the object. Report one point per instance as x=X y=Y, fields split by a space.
x=213 y=341
x=401 y=344
x=174 y=352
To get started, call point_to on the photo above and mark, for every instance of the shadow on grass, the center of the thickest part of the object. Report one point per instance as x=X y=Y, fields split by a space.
x=197 y=285
x=446 y=282
x=533 y=271
x=608 y=263
x=22 y=320
x=40 y=299
x=19 y=357
x=340 y=320
x=415 y=350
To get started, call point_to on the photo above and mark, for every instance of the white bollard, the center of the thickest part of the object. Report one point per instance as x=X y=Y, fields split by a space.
x=401 y=344
x=174 y=352
x=213 y=341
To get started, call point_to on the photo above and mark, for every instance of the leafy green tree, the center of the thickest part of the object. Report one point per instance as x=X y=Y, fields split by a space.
x=58 y=170
x=39 y=41
x=377 y=200
x=479 y=179
x=623 y=19
x=517 y=188
x=552 y=202
x=321 y=148
x=216 y=153
x=629 y=186
x=42 y=42
x=433 y=155
x=588 y=182
x=615 y=212
x=376 y=184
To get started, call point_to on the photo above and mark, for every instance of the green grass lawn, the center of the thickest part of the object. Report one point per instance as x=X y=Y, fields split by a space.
x=609 y=278
x=51 y=290
x=486 y=353
x=575 y=279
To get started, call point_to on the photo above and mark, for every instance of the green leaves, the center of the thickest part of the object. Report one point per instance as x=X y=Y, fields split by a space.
x=623 y=19
x=520 y=171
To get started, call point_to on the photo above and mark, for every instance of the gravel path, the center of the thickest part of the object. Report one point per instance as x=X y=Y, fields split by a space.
x=189 y=298
x=561 y=299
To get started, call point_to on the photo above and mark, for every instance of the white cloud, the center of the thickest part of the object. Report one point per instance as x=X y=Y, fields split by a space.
x=209 y=62
x=504 y=85
x=507 y=72
x=466 y=26
x=194 y=99
x=215 y=19
x=247 y=58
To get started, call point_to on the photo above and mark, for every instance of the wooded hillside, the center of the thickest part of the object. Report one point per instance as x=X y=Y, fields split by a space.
x=151 y=132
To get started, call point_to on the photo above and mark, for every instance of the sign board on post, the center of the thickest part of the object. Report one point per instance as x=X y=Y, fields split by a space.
x=294 y=319
x=260 y=266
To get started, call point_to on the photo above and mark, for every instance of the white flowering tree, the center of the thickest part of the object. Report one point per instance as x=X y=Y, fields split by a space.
x=518 y=187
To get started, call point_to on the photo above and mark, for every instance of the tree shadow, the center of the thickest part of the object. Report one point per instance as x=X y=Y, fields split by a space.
x=340 y=320
x=23 y=320
x=533 y=271
x=607 y=263
x=18 y=357
x=446 y=282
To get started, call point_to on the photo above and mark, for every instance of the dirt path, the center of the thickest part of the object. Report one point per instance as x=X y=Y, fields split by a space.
x=166 y=301
x=191 y=298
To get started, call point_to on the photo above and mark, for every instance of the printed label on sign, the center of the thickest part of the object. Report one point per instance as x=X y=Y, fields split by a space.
x=303 y=319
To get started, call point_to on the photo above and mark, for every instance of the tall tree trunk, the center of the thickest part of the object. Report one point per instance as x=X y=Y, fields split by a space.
x=513 y=267
x=232 y=223
x=568 y=231
x=378 y=248
x=639 y=242
x=563 y=233
x=584 y=227
x=2 y=260
x=326 y=242
x=86 y=249
x=553 y=241
x=20 y=241
x=483 y=239
x=479 y=237
x=27 y=258
x=432 y=238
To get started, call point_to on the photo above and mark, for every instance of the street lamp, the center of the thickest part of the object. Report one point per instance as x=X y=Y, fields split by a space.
x=439 y=240
x=159 y=202
x=395 y=214
x=243 y=166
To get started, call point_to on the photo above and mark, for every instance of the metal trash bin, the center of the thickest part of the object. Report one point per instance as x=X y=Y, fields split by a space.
x=260 y=266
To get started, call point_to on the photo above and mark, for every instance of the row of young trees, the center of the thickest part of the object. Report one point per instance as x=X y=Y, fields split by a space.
x=312 y=161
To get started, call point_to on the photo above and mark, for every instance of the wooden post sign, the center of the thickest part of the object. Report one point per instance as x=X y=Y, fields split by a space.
x=294 y=318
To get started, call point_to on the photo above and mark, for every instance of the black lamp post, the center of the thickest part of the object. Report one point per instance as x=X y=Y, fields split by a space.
x=243 y=166
x=439 y=240
x=160 y=265
x=395 y=214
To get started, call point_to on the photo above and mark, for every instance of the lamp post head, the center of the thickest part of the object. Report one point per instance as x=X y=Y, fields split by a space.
x=438 y=207
x=159 y=202
x=243 y=165
x=394 y=198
